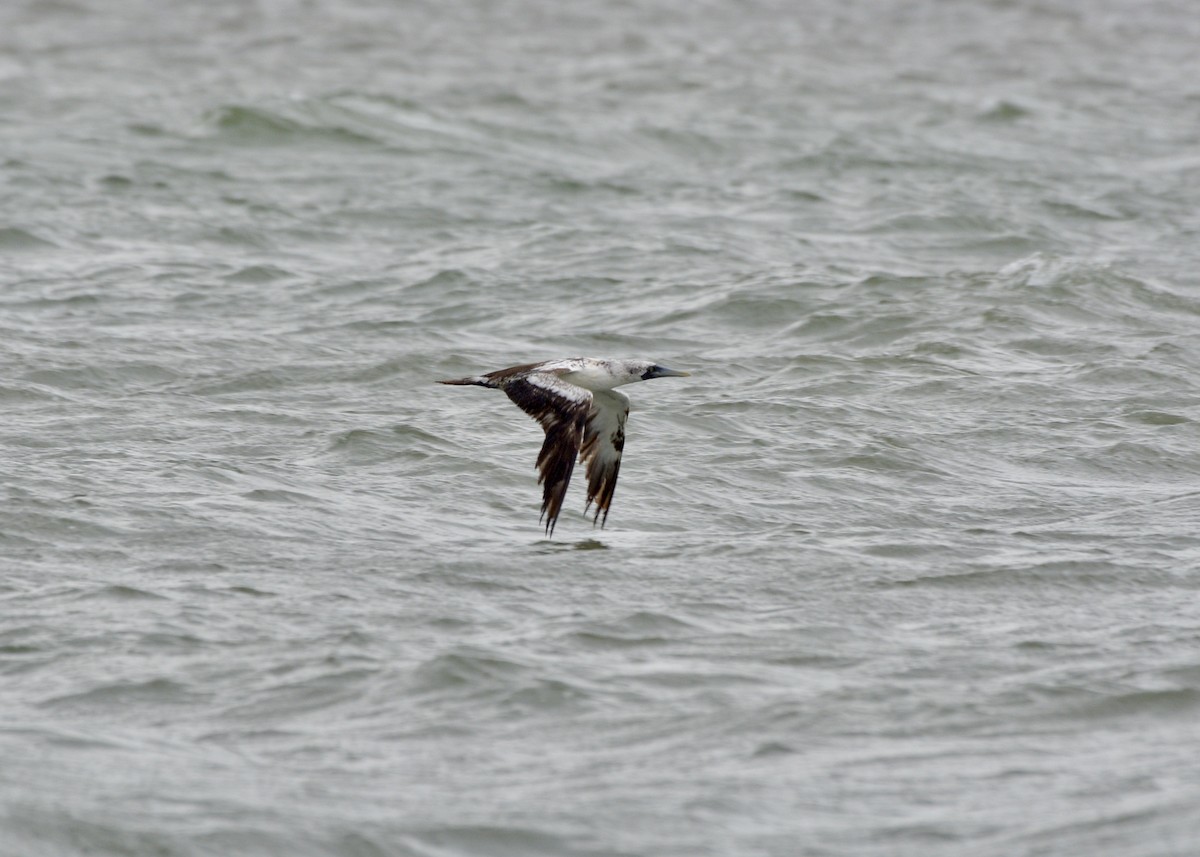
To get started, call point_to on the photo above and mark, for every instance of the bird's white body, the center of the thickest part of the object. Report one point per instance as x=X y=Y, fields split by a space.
x=592 y=373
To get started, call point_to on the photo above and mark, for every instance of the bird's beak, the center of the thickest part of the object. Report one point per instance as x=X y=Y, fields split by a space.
x=664 y=372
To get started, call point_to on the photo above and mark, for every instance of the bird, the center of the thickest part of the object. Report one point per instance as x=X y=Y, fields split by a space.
x=583 y=415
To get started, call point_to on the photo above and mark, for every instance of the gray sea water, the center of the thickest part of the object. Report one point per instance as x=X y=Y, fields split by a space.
x=910 y=565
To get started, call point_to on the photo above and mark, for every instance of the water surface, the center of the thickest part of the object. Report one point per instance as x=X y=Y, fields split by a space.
x=908 y=567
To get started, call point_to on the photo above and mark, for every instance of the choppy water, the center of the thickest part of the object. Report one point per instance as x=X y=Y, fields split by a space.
x=909 y=567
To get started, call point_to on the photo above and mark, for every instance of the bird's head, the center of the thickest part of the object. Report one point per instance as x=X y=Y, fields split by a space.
x=644 y=370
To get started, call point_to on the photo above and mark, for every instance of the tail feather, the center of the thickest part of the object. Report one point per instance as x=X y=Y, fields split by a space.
x=477 y=380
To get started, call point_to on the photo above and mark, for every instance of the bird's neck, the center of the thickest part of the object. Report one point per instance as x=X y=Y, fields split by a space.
x=595 y=378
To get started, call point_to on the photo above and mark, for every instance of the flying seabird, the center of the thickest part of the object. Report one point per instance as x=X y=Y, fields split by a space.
x=582 y=414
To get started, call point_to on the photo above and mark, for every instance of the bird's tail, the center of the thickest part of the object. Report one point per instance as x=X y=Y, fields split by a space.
x=479 y=380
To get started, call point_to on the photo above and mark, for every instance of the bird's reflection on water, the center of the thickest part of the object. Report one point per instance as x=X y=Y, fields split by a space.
x=546 y=546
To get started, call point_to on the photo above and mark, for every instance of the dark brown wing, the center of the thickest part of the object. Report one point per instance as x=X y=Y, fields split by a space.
x=603 y=443
x=562 y=409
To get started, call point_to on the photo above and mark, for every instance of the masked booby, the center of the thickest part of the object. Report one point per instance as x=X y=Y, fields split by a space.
x=583 y=416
